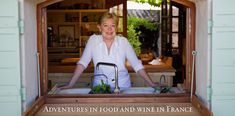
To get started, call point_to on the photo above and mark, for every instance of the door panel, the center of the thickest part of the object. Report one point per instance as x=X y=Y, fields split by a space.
x=223 y=61
x=224 y=38
x=10 y=85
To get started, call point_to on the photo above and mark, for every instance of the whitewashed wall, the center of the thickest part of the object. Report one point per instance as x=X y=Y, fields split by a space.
x=28 y=51
x=203 y=49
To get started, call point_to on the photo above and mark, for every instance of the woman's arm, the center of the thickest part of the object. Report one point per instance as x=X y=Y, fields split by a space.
x=78 y=71
x=137 y=66
x=82 y=63
x=147 y=78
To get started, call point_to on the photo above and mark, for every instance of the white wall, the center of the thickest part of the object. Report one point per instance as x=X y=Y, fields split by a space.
x=28 y=13
x=203 y=57
x=28 y=52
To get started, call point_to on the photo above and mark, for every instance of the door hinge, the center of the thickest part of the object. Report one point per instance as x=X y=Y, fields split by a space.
x=23 y=93
x=209 y=26
x=21 y=26
x=209 y=93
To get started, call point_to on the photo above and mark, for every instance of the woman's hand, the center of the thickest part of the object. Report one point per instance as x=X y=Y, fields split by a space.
x=78 y=71
x=154 y=84
x=65 y=87
x=147 y=78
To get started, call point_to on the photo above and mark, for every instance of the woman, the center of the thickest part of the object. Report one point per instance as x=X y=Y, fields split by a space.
x=110 y=48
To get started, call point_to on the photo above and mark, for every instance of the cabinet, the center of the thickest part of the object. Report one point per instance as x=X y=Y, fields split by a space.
x=70 y=31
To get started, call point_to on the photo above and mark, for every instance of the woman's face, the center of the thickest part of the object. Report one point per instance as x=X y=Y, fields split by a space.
x=108 y=28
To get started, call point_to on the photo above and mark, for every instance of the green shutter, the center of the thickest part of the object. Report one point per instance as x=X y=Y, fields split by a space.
x=10 y=97
x=223 y=58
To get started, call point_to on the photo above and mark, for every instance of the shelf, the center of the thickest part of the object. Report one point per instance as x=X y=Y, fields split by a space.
x=77 y=11
x=52 y=50
x=84 y=36
x=90 y=23
x=63 y=23
x=58 y=57
x=60 y=48
x=82 y=30
x=69 y=55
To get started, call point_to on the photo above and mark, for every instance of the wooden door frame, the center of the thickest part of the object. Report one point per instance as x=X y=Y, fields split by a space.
x=42 y=43
x=190 y=39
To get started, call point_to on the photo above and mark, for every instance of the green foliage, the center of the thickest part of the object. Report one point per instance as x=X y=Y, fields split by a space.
x=156 y=3
x=134 y=23
x=133 y=38
x=162 y=89
x=101 y=89
x=137 y=22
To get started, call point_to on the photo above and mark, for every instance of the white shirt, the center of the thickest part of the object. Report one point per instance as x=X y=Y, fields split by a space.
x=120 y=50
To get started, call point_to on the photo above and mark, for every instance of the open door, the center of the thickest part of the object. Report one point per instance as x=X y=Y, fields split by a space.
x=179 y=42
x=10 y=80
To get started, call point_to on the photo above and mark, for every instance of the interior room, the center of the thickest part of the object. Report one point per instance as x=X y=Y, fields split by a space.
x=71 y=23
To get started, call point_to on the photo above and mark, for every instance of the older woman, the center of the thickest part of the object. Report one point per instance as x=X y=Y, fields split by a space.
x=108 y=47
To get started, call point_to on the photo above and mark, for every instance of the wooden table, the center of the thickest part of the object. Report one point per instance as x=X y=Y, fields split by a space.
x=90 y=69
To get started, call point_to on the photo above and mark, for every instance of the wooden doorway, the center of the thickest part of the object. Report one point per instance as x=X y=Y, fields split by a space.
x=189 y=38
x=178 y=37
x=42 y=40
